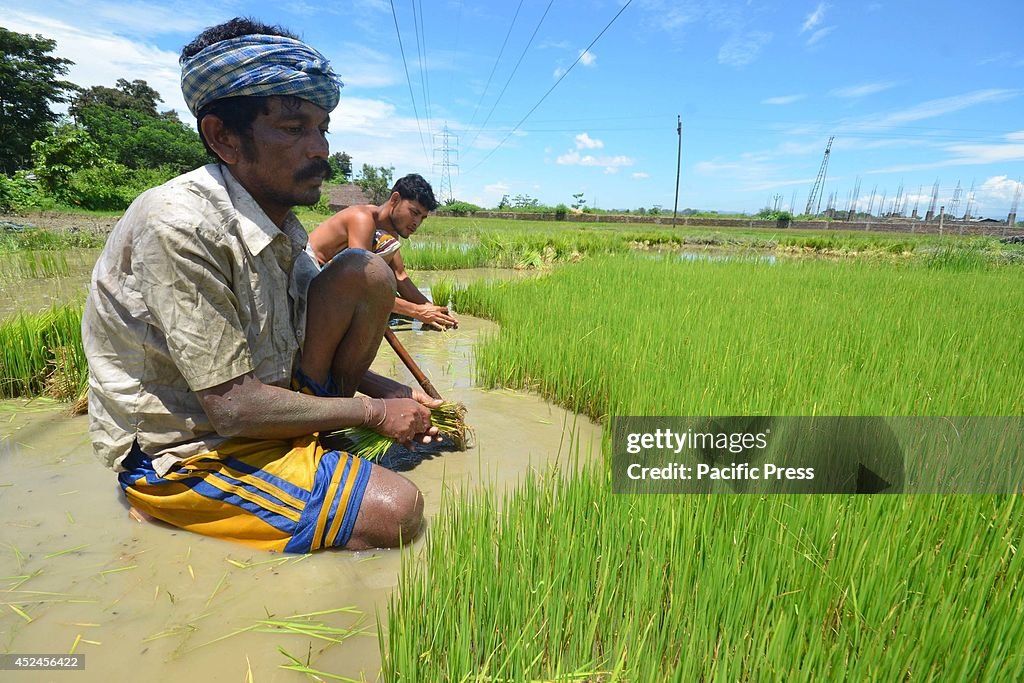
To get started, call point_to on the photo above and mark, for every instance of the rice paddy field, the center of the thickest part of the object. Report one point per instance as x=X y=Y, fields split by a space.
x=559 y=579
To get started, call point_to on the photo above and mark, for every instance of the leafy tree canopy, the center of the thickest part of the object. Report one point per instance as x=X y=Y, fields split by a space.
x=376 y=182
x=124 y=122
x=30 y=81
x=341 y=167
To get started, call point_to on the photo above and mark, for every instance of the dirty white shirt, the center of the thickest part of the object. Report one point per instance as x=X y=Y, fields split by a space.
x=196 y=286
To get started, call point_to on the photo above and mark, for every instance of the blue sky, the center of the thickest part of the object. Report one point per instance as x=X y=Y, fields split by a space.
x=914 y=92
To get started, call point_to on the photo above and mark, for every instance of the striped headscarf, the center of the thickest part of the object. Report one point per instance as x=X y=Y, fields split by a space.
x=260 y=65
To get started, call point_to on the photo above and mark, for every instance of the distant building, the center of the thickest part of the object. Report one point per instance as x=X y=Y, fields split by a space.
x=344 y=196
x=983 y=220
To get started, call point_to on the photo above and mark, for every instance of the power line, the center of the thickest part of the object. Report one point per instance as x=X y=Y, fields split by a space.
x=560 y=79
x=496 y=60
x=409 y=81
x=515 y=69
x=421 y=49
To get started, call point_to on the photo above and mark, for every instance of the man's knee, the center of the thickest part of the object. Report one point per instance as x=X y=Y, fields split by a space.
x=358 y=270
x=391 y=513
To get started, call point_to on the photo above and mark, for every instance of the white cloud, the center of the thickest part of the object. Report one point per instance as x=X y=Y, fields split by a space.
x=742 y=49
x=819 y=35
x=1001 y=188
x=588 y=58
x=640 y=175
x=584 y=141
x=363 y=67
x=965 y=155
x=574 y=158
x=100 y=57
x=782 y=99
x=1016 y=136
x=558 y=72
x=931 y=109
x=814 y=18
x=862 y=90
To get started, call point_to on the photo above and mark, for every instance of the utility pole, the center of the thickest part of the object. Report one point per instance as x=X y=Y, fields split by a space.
x=679 y=160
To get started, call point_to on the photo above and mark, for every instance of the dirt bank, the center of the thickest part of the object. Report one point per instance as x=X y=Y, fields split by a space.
x=62 y=221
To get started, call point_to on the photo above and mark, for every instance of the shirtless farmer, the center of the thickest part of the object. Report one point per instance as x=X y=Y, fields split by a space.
x=378 y=229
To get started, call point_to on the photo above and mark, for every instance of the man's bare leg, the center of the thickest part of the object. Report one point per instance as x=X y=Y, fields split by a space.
x=349 y=304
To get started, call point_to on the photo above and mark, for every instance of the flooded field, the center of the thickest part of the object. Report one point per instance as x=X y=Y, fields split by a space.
x=78 y=574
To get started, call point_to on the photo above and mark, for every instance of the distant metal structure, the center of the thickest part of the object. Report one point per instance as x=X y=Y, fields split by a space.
x=970 y=202
x=897 y=204
x=954 y=204
x=871 y=204
x=935 y=200
x=814 y=199
x=449 y=160
x=679 y=161
x=917 y=202
x=1011 y=219
x=852 y=208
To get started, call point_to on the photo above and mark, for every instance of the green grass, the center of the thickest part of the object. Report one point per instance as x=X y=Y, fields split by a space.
x=570 y=582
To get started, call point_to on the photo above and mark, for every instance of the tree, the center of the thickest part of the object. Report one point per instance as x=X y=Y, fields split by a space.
x=524 y=201
x=58 y=156
x=29 y=83
x=128 y=98
x=341 y=167
x=125 y=124
x=375 y=181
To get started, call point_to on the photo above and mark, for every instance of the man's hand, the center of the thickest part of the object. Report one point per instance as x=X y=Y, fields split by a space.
x=435 y=316
x=405 y=420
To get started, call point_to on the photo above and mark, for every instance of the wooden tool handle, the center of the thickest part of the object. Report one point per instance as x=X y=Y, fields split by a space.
x=410 y=363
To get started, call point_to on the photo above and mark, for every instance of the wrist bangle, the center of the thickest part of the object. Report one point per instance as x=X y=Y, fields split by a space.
x=383 y=414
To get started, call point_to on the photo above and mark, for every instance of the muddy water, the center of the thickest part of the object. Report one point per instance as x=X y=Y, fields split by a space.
x=148 y=601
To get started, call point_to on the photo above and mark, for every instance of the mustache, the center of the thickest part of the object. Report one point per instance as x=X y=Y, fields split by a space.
x=318 y=168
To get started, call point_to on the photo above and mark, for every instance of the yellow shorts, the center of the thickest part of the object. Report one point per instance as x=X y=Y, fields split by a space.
x=290 y=496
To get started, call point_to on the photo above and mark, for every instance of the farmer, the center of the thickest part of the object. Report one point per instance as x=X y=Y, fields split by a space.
x=378 y=228
x=216 y=350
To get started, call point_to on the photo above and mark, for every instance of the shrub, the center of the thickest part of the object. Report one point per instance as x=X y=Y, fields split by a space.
x=18 y=193
x=112 y=187
x=459 y=208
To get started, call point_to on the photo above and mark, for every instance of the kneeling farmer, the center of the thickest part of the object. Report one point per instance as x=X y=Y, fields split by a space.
x=217 y=351
x=379 y=228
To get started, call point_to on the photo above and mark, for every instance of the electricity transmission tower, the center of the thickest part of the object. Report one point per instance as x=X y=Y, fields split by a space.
x=449 y=160
x=814 y=200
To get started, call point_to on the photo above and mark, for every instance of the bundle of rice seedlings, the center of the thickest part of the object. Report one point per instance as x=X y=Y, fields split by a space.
x=449 y=418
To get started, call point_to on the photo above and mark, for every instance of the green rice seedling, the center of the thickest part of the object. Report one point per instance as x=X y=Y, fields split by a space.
x=33 y=264
x=42 y=354
x=38 y=239
x=569 y=577
x=442 y=292
x=449 y=418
